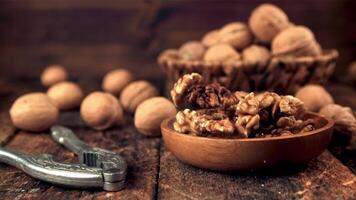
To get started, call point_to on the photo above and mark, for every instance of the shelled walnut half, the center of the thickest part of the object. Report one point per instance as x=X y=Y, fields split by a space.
x=204 y=122
x=191 y=91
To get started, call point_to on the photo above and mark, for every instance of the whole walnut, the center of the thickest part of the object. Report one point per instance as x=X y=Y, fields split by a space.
x=34 y=112
x=192 y=50
x=352 y=71
x=150 y=113
x=295 y=41
x=255 y=55
x=343 y=117
x=221 y=53
x=314 y=97
x=211 y=38
x=135 y=93
x=266 y=21
x=101 y=110
x=237 y=34
x=66 y=95
x=115 y=80
x=53 y=74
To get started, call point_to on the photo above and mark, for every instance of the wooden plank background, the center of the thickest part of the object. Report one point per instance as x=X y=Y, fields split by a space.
x=90 y=37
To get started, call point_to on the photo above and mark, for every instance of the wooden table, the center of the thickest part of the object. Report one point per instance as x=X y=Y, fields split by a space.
x=154 y=173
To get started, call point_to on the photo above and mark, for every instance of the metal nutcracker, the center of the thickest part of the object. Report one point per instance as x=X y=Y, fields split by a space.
x=98 y=168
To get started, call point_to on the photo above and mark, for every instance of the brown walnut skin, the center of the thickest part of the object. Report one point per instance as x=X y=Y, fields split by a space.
x=314 y=97
x=53 y=74
x=116 y=80
x=266 y=21
x=237 y=34
x=101 y=110
x=150 y=113
x=295 y=41
x=34 y=112
x=135 y=93
x=66 y=95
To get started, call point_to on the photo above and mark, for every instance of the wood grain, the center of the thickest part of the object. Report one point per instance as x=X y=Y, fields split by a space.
x=155 y=173
x=140 y=153
x=323 y=178
x=6 y=128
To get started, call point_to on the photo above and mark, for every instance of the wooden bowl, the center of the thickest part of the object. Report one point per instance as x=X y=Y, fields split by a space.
x=248 y=154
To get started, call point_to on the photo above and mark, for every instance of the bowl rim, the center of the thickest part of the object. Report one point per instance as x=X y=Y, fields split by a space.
x=329 y=124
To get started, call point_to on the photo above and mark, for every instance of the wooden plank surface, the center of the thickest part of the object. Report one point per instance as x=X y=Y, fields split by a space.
x=140 y=153
x=6 y=129
x=323 y=178
x=155 y=173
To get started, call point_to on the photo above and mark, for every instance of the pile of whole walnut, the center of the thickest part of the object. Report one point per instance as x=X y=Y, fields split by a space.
x=268 y=32
x=100 y=110
x=212 y=110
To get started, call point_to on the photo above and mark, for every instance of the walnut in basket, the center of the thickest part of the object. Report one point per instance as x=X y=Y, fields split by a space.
x=295 y=41
x=266 y=21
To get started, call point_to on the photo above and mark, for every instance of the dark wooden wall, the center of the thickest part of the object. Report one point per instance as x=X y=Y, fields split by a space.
x=90 y=37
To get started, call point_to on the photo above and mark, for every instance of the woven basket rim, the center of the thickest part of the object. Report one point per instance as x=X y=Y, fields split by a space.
x=170 y=57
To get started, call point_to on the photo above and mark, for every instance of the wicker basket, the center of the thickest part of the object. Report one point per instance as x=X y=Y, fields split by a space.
x=282 y=75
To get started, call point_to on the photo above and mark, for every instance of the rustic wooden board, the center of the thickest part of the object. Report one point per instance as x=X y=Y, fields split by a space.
x=323 y=178
x=6 y=129
x=148 y=27
x=140 y=153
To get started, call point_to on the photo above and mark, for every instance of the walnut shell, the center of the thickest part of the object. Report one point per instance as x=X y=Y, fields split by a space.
x=192 y=50
x=221 y=53
x=101 y=110
x=53 y=74
x=211 y=38
x=295 y=41
x=352 y=71
x=66 y=95
x=266 y=21
x=34 y=112
x=343 y=117
x=150 y=113
x=255 y=55
x=314 y=97
x=237 y=34
x=135 y=93
x=115 y=80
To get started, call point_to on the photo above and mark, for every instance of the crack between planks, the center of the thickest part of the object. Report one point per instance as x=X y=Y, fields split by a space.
x=9 y=138
x=155 y=195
